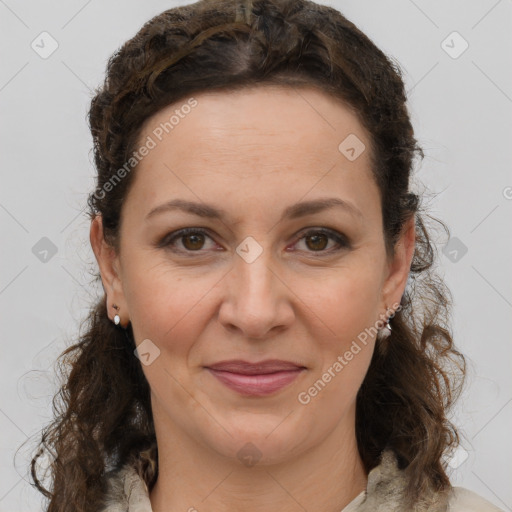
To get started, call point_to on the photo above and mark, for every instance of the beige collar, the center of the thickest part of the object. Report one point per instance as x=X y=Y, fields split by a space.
x=127 y=492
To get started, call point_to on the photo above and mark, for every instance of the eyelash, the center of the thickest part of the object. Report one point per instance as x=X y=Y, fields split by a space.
x=340 y=239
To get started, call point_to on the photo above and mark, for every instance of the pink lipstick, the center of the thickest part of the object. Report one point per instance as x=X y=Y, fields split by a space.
x=255 y=379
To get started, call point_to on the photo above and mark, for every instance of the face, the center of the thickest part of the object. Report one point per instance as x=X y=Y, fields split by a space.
x=283 y=260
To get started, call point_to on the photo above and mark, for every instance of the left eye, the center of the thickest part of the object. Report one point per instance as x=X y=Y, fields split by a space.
x=316 y=240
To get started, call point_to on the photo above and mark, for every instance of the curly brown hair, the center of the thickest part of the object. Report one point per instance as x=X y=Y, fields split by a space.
x=103 y=416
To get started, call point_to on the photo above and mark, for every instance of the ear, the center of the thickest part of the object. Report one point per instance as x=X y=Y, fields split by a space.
x=400 y=264
x=109 y=265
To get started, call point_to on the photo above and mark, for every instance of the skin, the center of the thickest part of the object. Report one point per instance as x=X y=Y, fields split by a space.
x=254 y=153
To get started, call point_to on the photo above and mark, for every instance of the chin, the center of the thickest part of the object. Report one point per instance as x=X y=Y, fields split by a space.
x=266 y=442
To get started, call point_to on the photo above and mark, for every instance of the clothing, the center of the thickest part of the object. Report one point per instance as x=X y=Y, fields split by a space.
x=127 y=492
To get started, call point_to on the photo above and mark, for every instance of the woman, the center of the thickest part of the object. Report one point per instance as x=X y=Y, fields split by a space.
x=272 y=335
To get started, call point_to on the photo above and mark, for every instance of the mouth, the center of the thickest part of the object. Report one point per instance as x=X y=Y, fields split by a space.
x=255 y=379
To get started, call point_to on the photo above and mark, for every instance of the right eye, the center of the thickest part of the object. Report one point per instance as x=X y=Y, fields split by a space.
x=192 y=240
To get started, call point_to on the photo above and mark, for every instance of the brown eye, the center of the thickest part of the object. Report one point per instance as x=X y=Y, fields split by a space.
x=186 y=240
x=317 y=242
x=193 y=241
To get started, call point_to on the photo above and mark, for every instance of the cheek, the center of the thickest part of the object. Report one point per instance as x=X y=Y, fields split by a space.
x=169 y=310
x=331 y=394
x=166 y=305
x=346 y=304
x=345 y=308
x=344 y=355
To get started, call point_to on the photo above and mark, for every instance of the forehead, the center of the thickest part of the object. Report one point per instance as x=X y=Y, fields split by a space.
x=252 y=141
x=277 y=115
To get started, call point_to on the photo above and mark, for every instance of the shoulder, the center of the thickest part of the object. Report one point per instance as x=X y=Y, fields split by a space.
x=386 y=491
x=464 y=500
x=126 y=491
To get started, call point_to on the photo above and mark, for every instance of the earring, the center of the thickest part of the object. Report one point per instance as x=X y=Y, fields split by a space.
x=385 y=331
x=117 y=318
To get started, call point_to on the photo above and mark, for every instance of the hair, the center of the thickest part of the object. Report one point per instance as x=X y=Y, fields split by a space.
x=102 y=413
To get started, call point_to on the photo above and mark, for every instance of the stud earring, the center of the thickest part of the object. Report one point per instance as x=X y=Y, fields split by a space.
x=117 y=318
x=385 y=331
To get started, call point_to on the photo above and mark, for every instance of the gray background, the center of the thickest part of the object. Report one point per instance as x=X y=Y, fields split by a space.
x=461 y=105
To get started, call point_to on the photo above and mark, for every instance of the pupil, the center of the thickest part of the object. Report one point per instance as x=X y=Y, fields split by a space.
x=315 y=239
x=196 y=241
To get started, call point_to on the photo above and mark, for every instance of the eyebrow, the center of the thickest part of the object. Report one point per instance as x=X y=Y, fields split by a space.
x=291 y=212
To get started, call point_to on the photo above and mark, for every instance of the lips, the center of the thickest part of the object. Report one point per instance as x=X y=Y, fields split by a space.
x=256 y=379
x=246 y=368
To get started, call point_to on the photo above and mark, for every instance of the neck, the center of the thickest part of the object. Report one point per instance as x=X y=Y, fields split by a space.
x=191 y=477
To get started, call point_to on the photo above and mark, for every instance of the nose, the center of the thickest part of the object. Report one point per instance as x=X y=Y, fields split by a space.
x=257 y=301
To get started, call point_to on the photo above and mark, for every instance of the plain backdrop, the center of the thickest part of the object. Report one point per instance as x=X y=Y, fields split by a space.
x=455 y=58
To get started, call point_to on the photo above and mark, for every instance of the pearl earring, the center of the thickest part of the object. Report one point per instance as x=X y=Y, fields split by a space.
x=117 y=318
x=385 y=331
